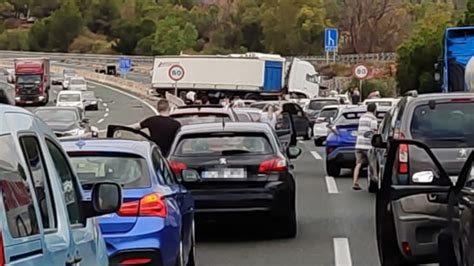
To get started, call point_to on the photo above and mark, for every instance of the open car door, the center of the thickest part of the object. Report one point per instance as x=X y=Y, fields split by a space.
x=411 y=208
x=285 y=130
x=124 y=132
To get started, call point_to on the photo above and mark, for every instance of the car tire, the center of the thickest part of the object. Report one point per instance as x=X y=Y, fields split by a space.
x=332 y=169
x=192 y=252
x=309 y=133
x=287 y=225
x=447 y=256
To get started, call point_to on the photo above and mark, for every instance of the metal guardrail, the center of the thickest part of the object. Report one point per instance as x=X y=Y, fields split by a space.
x=99 y=58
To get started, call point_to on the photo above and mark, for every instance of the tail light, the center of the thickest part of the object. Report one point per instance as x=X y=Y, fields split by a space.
x=135 y=261
x=177 y=167
x=402 y=156
x=2 y=251
x=273 y=165
x=150 y=205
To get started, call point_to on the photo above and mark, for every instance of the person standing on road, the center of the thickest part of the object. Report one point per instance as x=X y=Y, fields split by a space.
x=162 y=127
x=355 y=96
x=367 y=127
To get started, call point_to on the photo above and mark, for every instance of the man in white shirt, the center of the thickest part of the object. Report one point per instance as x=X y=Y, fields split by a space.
x=367 y=127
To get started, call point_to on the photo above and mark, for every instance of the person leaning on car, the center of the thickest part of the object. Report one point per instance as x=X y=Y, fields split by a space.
x=367 y=127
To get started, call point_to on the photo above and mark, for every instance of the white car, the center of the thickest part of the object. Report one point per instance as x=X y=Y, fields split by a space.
x=77 y=84
x=388 y=102
x=320 y=129
x=70 y=99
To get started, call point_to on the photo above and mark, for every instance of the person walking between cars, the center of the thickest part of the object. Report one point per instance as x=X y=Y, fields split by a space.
x=162 y=128
x=355 y=96
x=367 y=127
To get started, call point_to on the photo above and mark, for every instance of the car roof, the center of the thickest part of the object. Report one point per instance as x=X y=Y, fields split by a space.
x=247 y=109
x=208 y=110
x=442 y=96
x=56 y=108
x=363 y=108
x=70 y=92
x=250 y=127
x=137 y=147
x=325 y=99
x=335 y=106
x=77 y=77
x=5 y=108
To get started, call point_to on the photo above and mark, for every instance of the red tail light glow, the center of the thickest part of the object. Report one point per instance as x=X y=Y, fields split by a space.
x=462 y=100
x=406 y=248
x=150 y=205
x=402 y=156
x=2 y=251
x=137 y=261
x=177 y=167
x=273 y=165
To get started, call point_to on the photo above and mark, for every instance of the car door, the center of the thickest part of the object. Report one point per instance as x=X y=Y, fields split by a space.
x=410 y=216
x=86 y=249
x=285 y=130
x=298 y=116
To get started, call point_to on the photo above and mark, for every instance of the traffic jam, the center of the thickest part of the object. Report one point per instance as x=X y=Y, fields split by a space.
x=224 y=150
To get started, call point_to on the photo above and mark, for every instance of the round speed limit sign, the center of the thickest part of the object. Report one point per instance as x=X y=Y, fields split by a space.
x=176 y=72
x=360 y=72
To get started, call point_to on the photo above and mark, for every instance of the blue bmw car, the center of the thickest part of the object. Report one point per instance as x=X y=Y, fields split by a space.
x=155 y=224
x=341 y=140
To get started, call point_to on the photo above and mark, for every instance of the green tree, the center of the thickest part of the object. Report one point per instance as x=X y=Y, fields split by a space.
x=418 y=54
x=468 y=15
x=103 y=15
x=38 y=35
x=65 y=25
x=128 y=34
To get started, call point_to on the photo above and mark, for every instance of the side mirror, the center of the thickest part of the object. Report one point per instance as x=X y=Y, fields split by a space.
x=106 y=198
x=294 y=152
x=378 y=142
x=424 y=177
x=190 y=175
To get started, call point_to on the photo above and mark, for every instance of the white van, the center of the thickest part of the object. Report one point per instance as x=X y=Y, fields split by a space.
x=70 y=99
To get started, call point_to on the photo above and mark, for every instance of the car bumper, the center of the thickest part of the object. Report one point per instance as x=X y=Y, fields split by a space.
x=320 y=131
x=31 y=99
x=152 y=256
x=150 y=234
x=343 y=156
x=273 y=197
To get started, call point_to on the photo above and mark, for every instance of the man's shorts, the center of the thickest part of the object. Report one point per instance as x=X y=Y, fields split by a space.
x=361 y=157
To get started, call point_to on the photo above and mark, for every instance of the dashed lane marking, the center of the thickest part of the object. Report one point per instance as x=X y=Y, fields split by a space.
x=316 y=155
x=106 y=114
x=100 y=121
x=107 y=109
x=331 y=185
x=104 y=104
x=300 y=141
x=342 y=252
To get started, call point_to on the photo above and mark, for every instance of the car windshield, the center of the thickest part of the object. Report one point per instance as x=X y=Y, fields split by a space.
x=126 y=169
x=28 y=79
x=318 y=105
x=54 y=115
x=78 y=82
x=226 y=144
x=69 y=98
x=191 y=119
x=89 y=95
x=445 y=125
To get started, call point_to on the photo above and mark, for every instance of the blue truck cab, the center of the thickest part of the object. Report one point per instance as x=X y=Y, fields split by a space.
x=458 y=49
x=44 y=217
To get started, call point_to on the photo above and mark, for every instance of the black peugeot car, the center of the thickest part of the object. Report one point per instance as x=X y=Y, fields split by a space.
x=243 y=169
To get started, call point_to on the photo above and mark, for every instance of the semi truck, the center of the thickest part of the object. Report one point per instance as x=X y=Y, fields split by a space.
x=455 y=72
x=32 y=81
x=250 y=76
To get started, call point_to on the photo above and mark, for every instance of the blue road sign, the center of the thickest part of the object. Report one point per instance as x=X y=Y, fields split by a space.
x=331 y=38
x=125 y=64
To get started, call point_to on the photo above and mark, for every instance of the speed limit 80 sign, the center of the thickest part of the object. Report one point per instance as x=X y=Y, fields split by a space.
x=360 y=71
x=176 y=72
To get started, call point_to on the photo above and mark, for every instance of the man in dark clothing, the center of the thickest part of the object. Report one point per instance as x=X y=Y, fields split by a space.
x=162 y=128
x=3 y=97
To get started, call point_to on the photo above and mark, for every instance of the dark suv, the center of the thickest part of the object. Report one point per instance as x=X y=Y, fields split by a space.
x=445 y=123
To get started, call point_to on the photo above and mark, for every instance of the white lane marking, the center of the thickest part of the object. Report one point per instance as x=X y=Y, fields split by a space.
x=106 y=114
x=100 y=121
x=342 y=252
x=331 y=185
x=316 y=155
x=100 y=100
x=104 y=104
x=300 y=141
x=107 y=109
x=129 y=95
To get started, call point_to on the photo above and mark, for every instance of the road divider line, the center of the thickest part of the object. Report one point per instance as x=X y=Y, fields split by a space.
x=300 y=141
x=107 y=109
x=104 y=104
x=100 y=121
x=106 y=114
x=342 y=252
x=316 y=155
x=331 y=185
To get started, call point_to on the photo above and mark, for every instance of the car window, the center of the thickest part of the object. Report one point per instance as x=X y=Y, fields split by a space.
x=243 y=117
x=299 y=110
x=290 y=108
x=444 y=124
x=319 y=104
x=64 y=172
x=191 y=119
x=328 y=113
x=232 y=143
x=127 y=169
x=42 y=186
x=17 y=199
x=69 y=98
x=77 y=82
x=162 y=168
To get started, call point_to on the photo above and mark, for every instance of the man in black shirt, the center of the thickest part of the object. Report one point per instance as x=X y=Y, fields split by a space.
x=162 y=128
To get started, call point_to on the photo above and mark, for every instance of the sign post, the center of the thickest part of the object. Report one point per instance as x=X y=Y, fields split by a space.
x=360 y=72
x=125 y=65
x=176 y=73
x=331 y=40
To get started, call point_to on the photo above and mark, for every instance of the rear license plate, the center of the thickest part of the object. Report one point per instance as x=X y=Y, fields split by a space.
x=354 y=133
x=225 y=173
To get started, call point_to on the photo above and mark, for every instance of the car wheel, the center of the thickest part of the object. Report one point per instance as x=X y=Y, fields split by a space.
x=287 y=226
x=192 y=252
x=309 y=133
x=332 y=169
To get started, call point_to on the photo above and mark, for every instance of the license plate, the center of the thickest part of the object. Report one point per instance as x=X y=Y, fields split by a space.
x=225 y=173
x=354 y=133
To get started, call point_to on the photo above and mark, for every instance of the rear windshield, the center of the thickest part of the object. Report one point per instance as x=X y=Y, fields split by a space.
x=77 y=82
x=328 y=113
x=224 y=144
x=318 y=105
x=244 y=117
x=69 y=98
x=381 y=103
x=447 y=125
x=351 y=118
x=126 y=169
x=191 y=119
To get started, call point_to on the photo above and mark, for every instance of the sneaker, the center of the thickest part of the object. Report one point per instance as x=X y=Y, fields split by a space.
x=356 y=187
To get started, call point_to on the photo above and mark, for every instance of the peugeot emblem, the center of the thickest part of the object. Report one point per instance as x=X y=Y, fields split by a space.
x=463 y=154
x=222 y=161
